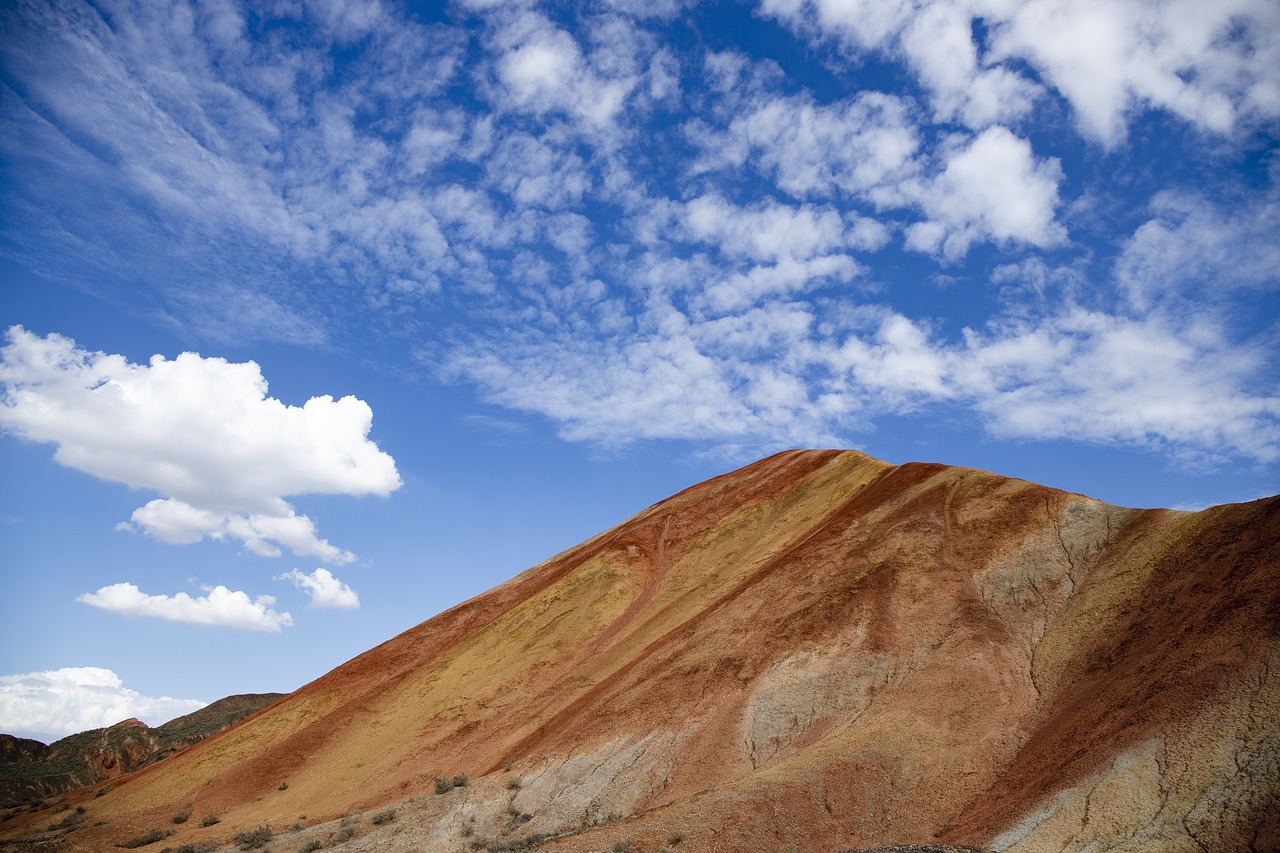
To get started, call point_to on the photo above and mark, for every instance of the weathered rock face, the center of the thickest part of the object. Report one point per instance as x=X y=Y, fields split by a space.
x=819 y=651
x=31 y=771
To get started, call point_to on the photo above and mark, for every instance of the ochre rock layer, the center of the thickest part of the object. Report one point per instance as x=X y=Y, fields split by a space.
x=820 y=651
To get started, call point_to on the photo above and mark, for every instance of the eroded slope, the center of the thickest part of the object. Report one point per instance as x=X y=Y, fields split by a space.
x=820 y=651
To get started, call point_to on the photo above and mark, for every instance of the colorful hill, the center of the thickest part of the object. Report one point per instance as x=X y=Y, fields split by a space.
x=820 y=651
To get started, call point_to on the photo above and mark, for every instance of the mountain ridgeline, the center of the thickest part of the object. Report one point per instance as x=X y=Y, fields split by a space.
x=819 y=651
x=31 y=771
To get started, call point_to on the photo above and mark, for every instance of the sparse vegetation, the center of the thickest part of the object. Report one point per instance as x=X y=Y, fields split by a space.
x=284 y=786
x=514 y=845
x=71 y=821
x=513 y=784
x=146 y=838
x=204 y=847
x=444 y=784
x=347 y=827
x=254 y=839
x=210 y=819
x=675 y=838
x=626 y=845
x=311 y=846
x=103 y=792
x=384 y=816
x=182 y=815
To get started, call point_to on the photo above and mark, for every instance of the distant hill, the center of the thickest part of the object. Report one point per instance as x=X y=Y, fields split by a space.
x=30 y=771
x=819 y=652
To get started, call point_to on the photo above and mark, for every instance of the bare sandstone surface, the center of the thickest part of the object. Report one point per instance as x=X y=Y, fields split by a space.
x=819 y=652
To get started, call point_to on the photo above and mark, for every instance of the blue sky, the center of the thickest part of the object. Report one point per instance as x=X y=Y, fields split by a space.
x=323 y=317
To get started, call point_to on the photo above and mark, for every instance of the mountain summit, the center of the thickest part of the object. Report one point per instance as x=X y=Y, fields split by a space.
x=819 y=651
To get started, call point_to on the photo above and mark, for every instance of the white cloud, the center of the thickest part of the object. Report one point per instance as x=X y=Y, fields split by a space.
x=324 y=589
x=1213 y=64
x=50 y=705
x=200 y=430
x=541 y=68
x=1192 y=250
x=1101 y=378
x=860 y=147
x=786 y=373
x=939 y=43
x=992 y=188
x=219 y=607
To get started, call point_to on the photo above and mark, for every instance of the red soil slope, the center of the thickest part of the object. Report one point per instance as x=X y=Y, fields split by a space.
x=819 y=651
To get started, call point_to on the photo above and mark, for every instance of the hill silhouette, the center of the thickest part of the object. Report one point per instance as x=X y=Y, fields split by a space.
x=820 y=651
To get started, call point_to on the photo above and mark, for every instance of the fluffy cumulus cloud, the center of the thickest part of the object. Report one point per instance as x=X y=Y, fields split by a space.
x=201 y=431
x=323 y=588
x=49 y=705
x=992 y=188
x=219 y=607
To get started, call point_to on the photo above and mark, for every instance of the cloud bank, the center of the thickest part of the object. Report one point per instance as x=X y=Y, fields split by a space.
x=49 y=705
x=202 y=432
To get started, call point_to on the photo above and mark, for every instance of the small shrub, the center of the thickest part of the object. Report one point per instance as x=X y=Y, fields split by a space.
x=443 y=785
x=347 y=827
x=513 y=784
x=626 y=845
x=312 y=846
x=210 y=819
x=284 y=786
x=460 y=781
x=182 y=816
x=384 y=816
x=676 y=838
x=254 y=839
x=297 y=826
x=146 y=838
x=70 y=821
x=205 y=847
